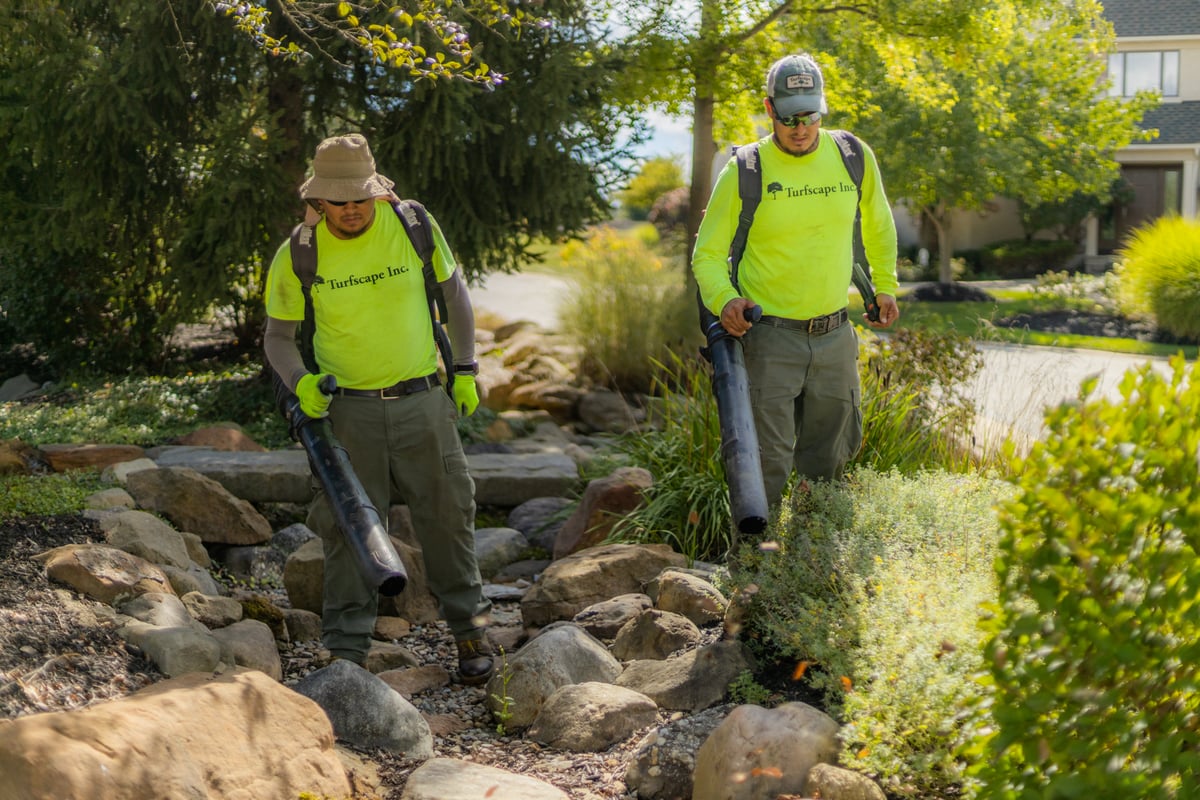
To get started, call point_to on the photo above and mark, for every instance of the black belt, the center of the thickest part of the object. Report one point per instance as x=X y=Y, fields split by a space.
x=817 y=326
x=411 y=386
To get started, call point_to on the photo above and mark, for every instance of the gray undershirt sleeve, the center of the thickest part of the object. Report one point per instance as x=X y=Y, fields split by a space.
x=279 y=343
x=461 y=318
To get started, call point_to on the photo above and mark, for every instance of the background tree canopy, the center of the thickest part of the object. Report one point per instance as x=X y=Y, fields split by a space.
x=962 y=100
x=151 y=161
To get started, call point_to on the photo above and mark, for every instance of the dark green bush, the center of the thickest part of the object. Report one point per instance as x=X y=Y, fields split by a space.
x=1091 y=677
x=1024 y=258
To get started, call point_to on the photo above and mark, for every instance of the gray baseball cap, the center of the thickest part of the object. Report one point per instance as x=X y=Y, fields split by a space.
x=795 y=86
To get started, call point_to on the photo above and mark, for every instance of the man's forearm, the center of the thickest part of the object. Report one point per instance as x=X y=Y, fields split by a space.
x=279 y=344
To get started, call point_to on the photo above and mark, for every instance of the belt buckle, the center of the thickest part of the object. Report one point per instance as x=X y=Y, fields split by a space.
x=818 y=326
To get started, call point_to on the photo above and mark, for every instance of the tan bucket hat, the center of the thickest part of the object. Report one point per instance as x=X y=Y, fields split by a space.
x=344 y=170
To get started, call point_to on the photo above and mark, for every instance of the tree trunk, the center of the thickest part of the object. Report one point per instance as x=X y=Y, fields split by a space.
x=704 y=150
x=939 y=217
x=704 y=147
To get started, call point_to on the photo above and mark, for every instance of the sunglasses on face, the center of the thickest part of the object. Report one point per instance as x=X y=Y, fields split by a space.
x=799 y=119
x=340 y=203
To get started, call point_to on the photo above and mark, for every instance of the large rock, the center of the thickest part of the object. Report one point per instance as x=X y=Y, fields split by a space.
x=571 y=584
x=757 y=752
x=591 y=717
x=366 y=712
x=509 y=479
x=561 y=655
x=691 y=680
x=200 y=505
x=283 y=476
x=606 y=501
x=146 y=536
x=66 y=457
x=238 y=736
x=452 y=779
x=103 y=573
x=277 y=476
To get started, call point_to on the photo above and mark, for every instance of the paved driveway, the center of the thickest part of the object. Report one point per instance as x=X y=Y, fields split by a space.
x=1019 y=382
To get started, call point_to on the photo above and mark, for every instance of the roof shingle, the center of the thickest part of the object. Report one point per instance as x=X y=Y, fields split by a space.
x=1153 y=17
x=1177 y=123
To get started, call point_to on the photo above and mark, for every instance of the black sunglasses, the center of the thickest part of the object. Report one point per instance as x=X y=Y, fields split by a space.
x=340 y=203
x=799 y=119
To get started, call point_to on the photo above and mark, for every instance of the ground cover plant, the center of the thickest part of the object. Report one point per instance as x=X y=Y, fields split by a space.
x=148 y=410
x=870 y=589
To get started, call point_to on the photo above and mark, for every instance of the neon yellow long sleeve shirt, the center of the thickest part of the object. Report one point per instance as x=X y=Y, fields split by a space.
x=799 y=254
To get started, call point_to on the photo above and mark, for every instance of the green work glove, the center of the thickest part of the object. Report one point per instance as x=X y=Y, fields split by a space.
x=313 y=402
x=466 y=396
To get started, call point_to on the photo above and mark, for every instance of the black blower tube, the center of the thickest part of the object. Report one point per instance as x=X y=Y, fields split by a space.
x=357 y=518
x=739 y=439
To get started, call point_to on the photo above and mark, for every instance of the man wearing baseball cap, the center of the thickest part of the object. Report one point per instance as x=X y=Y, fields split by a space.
x=801 y=358
x=373 y=334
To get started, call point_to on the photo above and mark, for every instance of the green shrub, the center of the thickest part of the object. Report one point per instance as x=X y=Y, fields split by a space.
x=872 y=589
x=1091 y=669
x=149 y=410
x=1159 y=275
x=688 y=504
x=1024 y=258
x=46 y=495
x=627 y=307
x=917 y=411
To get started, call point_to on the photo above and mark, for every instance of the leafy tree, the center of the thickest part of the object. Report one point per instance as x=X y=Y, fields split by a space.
x=656 y=177
x=151 y=161
x=422 y=38
x=136 y=175
x=710 y=61
x=1015 y=114
x=1066 y=218
x=964 y=100
x=533 y=159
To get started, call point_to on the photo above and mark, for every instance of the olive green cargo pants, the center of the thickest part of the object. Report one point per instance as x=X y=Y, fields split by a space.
x=805 y=394
x=407 y=448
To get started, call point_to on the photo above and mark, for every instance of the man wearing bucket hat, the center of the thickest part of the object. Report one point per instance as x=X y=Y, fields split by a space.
x=373 y=334
x=801 y=357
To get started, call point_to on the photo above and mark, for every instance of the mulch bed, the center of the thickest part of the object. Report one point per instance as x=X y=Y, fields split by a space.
x=53 y=657
x=1088 y=323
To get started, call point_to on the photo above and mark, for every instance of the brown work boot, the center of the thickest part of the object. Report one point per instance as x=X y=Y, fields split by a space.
x=475 y=660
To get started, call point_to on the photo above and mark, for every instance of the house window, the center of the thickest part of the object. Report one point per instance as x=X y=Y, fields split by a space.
x=1131 y=73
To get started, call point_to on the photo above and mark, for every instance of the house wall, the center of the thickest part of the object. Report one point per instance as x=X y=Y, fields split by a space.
x=969 y=230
